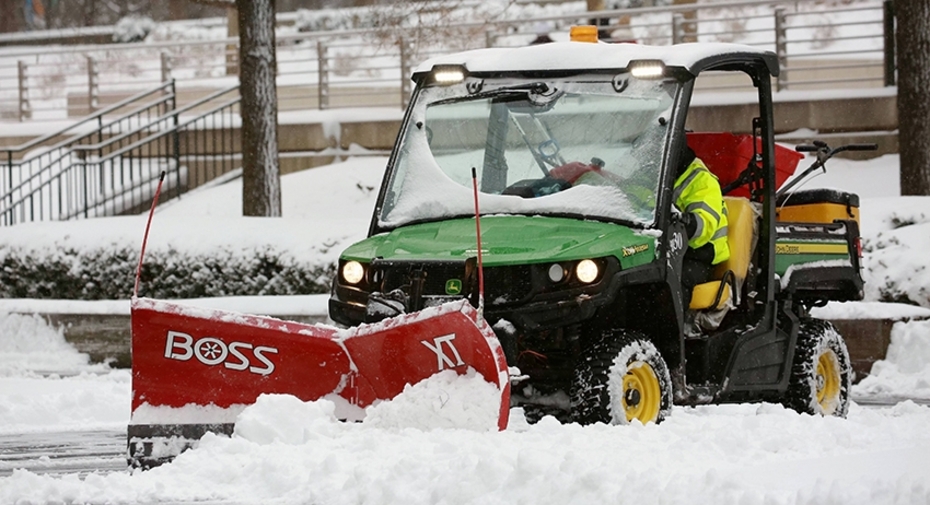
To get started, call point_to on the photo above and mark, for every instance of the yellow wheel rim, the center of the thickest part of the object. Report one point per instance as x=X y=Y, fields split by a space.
x=642 y=395
x=828 y=381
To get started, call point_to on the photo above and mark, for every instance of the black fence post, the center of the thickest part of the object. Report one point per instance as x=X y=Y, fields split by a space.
x=9 y=187
x=176 y=141
x=84 y=177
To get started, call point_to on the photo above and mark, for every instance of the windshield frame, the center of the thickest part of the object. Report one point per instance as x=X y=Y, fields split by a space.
x=518 y=86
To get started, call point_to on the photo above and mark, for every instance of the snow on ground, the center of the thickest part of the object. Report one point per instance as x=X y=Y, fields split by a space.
x=286 y=451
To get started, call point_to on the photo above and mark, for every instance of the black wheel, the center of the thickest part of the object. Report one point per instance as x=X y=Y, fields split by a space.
x=820 y=375
x=621 y=376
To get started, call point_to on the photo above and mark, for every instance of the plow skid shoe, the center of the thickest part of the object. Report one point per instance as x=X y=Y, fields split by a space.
x=194 y=370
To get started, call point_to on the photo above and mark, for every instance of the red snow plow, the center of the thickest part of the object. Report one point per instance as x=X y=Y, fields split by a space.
x=194 y=370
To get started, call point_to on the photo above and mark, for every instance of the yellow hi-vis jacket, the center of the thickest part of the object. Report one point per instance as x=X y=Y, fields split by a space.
x=697 y=191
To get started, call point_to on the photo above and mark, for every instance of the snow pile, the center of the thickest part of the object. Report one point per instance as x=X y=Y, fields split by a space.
x=92 y=396
x=285 y=419
x=905 y=371
x=29 y=344
x=445 y=400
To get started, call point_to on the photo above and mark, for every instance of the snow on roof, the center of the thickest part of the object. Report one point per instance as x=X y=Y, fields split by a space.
x=578 y=55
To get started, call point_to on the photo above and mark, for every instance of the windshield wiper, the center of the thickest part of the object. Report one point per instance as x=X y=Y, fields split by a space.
x=526 y=89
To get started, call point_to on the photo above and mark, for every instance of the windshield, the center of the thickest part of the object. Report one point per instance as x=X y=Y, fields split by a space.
x=588 y=148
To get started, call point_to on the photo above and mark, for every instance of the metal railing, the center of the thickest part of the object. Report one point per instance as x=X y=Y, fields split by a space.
x=113 y=168
x=819 y=44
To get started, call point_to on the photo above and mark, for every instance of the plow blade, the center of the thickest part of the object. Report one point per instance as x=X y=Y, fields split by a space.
x=194 y=370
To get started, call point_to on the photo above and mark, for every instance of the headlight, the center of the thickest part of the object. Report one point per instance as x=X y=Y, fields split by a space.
x=587 y=271
x=353 y=272
x=556 y=273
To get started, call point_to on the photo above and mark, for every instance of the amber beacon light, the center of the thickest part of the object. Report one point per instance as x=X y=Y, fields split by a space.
x=584 y=33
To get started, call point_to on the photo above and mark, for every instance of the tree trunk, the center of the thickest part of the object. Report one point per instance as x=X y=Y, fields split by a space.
x=601 y=23
x=689 y=26
x=90 y=13
x=261 y=175
x=913 y=41
x=9 y=21
x=232 y=31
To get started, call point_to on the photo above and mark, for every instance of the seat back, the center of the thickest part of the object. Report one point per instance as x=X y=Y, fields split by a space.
x=742 y=236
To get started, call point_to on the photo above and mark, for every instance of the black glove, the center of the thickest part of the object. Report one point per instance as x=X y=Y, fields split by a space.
x=690 y=222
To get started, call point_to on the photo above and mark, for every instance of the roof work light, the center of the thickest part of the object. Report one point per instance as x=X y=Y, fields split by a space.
x=647 y=69
x=445 y=75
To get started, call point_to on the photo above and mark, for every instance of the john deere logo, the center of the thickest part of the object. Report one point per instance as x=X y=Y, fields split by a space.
x=453 y=287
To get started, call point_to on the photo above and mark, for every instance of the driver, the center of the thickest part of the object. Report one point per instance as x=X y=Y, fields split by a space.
x=697 y=195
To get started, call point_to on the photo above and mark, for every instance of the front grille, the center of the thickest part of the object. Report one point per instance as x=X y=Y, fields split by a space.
x=387 y=276
x=429 y=279
x=507 y=284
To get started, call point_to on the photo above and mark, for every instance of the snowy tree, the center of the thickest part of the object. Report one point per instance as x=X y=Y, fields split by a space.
x=62 y=14
x=261 y=174
x=455 y=25
x=913 y=41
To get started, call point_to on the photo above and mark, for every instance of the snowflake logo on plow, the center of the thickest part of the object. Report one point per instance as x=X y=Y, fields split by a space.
x=210 y=350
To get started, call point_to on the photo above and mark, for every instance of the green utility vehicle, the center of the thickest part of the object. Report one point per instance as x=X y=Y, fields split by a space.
x=574 y=146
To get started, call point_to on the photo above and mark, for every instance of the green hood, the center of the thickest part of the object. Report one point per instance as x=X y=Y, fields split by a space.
x=508 y=240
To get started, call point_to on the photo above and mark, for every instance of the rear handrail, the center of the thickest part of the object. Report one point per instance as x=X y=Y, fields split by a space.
x=823 y=153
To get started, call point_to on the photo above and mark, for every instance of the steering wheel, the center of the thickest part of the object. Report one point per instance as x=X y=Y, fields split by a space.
x=549 y=152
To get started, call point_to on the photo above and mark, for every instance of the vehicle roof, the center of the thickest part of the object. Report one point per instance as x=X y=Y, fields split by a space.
x=584 y=56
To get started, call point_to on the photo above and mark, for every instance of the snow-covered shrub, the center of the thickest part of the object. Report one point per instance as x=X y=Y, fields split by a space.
x=891 y=272
x=133 y=29
x=101 y=274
